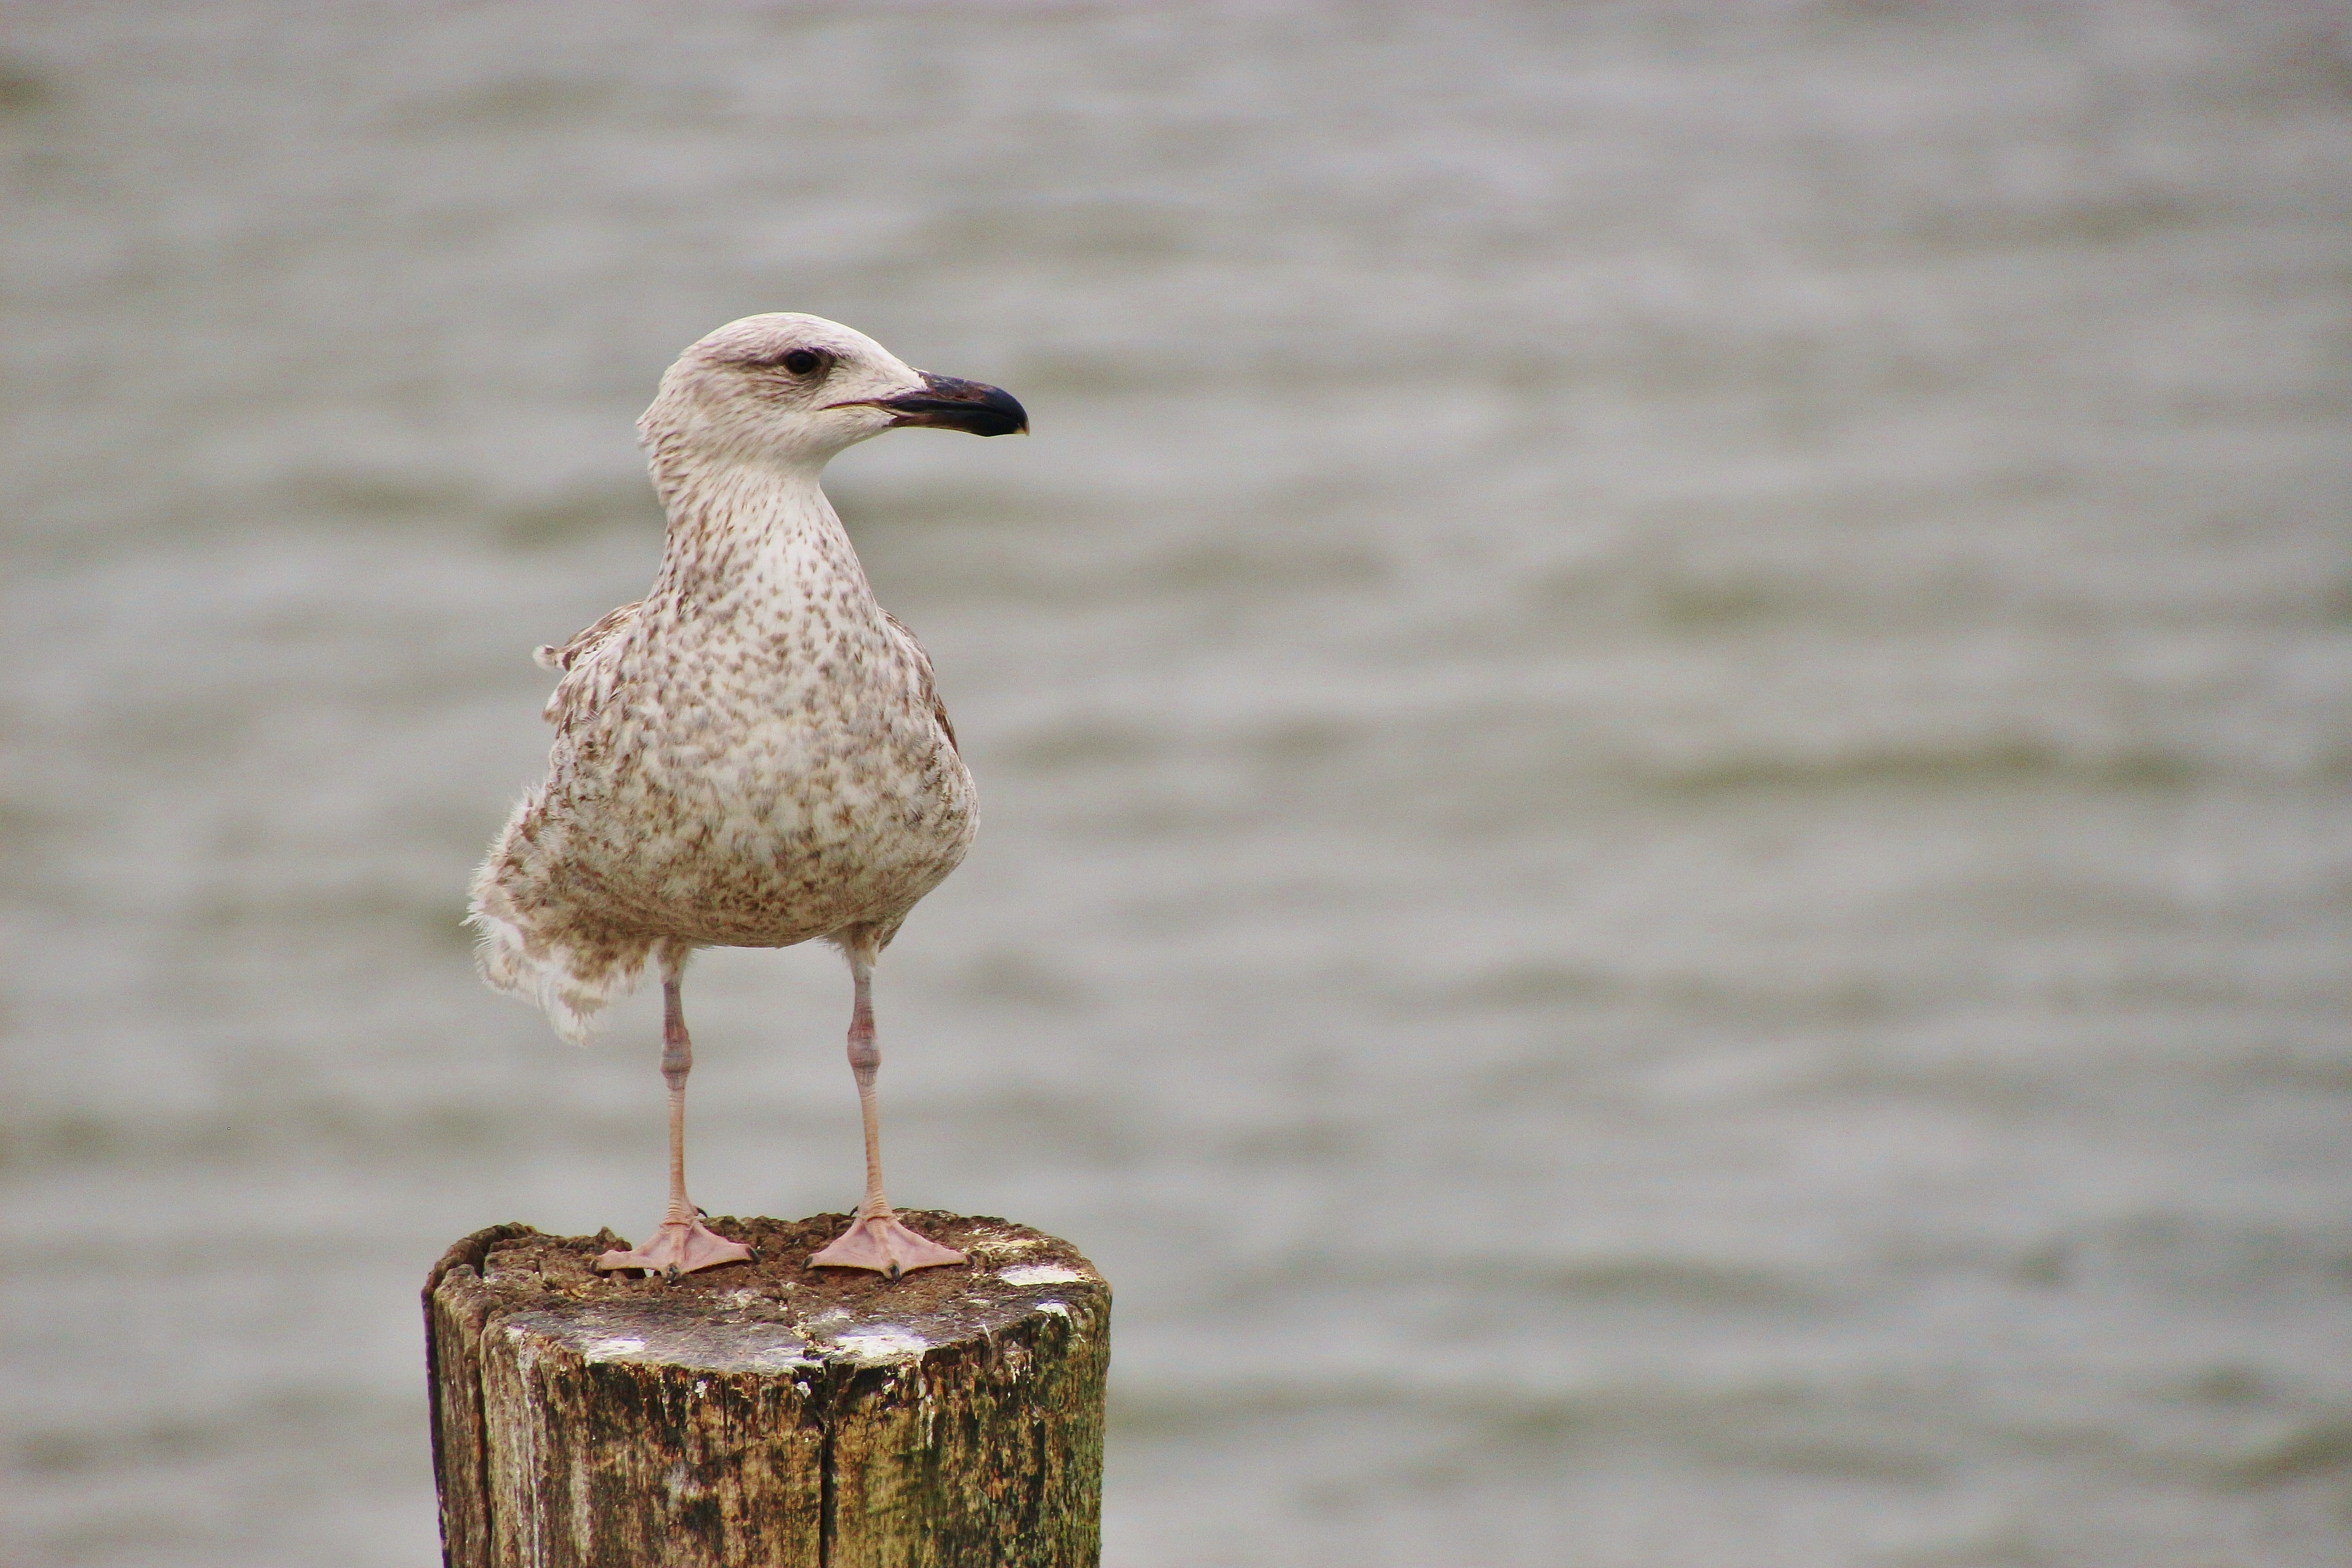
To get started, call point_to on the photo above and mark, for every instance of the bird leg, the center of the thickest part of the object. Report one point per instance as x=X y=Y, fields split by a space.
x=682 y=1245
x=874 y=1238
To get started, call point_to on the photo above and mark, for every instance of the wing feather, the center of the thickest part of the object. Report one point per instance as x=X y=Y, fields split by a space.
x=564 y=654
x=576 y=658
x=929 y=689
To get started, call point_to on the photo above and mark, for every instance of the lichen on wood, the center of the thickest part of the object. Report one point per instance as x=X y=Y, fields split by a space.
x=765 y=1413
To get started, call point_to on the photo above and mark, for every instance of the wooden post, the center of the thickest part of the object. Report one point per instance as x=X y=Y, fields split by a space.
x=766 y=1415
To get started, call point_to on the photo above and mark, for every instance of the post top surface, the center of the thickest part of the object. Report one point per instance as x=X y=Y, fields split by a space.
x=774 y=1315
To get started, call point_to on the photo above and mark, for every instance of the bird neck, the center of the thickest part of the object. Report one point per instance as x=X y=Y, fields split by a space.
x=736 y=525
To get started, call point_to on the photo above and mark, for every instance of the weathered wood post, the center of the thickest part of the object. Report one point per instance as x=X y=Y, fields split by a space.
x=766 y=1415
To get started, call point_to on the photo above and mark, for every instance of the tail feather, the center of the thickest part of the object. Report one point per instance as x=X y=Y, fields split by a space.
x=570 y=982
x=570 y=1000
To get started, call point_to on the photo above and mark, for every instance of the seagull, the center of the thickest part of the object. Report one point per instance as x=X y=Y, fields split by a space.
x=751 y=755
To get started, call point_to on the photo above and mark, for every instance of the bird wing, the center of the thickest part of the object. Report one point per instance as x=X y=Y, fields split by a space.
x=581 y=644
x=922 y=663
x=574 y=656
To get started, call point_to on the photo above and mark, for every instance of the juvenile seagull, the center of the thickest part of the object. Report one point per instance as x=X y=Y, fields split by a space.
x=753 y=753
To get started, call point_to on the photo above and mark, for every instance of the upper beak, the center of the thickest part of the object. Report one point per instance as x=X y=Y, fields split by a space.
x=953 y=404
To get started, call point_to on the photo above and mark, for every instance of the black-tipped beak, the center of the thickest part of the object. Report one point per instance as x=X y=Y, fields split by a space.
x=951 y=404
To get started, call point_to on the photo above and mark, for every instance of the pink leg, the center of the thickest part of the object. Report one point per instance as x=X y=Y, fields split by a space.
x=874 y=1239
x=682 y=1245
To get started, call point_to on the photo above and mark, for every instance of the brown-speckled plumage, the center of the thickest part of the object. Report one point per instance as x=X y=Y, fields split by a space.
x=751 y=755
x=754 y=754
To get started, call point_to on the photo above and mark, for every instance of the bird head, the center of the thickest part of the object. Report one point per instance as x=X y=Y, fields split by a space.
x=797 y=389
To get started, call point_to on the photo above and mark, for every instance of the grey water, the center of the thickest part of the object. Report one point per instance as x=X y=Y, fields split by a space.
x=1662 y=712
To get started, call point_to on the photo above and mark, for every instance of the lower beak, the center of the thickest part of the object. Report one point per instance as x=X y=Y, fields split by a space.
x=950 y=403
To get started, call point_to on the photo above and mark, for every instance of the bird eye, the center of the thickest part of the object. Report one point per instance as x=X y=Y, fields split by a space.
x=799 y=361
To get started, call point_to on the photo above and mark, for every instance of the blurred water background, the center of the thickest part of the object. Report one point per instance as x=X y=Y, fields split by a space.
x=1661 y=710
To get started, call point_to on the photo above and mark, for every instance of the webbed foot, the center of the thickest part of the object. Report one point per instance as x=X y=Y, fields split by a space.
x=679 y=1247
x=880 y=1243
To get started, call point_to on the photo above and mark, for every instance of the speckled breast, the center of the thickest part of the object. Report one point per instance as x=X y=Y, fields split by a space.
x=802 y=825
